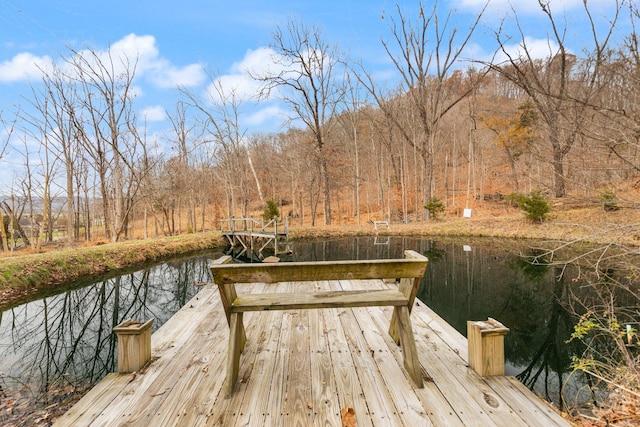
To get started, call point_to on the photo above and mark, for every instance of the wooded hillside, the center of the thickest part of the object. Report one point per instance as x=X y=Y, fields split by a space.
x=453 y=130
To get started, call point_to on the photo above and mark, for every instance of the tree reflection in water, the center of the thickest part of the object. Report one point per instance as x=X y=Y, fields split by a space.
x=67 y=340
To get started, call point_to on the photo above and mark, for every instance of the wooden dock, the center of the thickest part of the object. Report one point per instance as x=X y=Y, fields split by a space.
x=302 y=367
x=253 y=237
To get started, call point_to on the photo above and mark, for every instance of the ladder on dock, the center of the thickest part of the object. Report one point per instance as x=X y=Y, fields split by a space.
x=253 y=237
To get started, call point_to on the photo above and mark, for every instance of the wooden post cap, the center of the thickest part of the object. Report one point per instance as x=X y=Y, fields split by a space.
x=131 y=327
x=490 y=327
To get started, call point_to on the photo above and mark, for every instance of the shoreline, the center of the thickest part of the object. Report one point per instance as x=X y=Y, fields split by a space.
x=24 y=276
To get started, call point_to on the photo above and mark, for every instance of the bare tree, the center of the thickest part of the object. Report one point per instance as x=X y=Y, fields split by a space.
x=107 y=130
x=616 y=114
x=427 y=52
x=184 y=141
x=562 y=86
x=8 y=127
x=309 y=77
x=47 y=167
x=54 y=107
x=7 y=130
x=350 y=122
x=390 y=131
x=295 y=166
x=221 y=108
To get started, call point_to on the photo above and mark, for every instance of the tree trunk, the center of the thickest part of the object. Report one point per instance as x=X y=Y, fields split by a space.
x=70 y=210
x=558 y=173
x=356 y=172
x=145 y=222
x=105 y=203
x=3 y=233
x=45 y=214
x=324 y=172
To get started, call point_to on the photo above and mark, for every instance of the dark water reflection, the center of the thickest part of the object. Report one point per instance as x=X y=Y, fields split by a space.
x=67 y=339
x=476 y=279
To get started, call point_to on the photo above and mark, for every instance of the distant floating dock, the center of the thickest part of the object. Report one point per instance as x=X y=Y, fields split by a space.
x=302 y=367
x=252 y=237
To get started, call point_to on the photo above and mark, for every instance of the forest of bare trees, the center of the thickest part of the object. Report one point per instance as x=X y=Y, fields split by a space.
x=456 y=130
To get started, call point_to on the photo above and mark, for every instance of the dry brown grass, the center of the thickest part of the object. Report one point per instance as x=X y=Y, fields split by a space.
x=590 y=224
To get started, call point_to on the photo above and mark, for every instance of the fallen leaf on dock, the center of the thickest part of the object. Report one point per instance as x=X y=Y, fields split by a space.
x=348 y=417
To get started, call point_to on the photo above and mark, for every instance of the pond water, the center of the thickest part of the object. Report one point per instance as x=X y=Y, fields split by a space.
x=65 y=341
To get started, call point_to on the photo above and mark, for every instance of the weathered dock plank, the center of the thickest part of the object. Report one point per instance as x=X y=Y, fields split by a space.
x=301 y=367
x=348 y=389
x=513 y=396
x=323 y=385
x=452 y=379
x=369 y=342
x=298 y=401
x=535 y=412
x=254 y=407
x=276 y=395
x=437 y=408
x=221 y=411
x=95 y=402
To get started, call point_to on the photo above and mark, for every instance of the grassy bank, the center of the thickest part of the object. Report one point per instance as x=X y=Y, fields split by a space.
x=23 y=276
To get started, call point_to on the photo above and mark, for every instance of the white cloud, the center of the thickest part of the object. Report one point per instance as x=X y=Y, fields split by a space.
x=527 y=7
x=143 y=52
x=536 y=48
x=132 y=50
x=257 y=62
x=270 y=115
x=242 y=81
x=239 y=83
x=23 y=67
x=154 y=113
x=168 y=76
x=134 y=47
x=242 y=87
x=131 y=53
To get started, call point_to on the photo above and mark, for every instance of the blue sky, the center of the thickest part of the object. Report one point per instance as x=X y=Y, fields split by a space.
x=177 y=42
